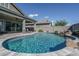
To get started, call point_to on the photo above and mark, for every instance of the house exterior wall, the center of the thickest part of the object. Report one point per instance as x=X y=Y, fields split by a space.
x=11 y=7
x=9 y=23
x=12 y=19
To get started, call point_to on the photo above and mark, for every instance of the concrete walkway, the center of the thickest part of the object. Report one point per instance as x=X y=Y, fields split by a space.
x=62 y=52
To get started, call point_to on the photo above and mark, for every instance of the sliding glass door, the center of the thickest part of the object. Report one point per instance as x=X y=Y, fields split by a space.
x=8 y=26
x=13 y=27
x=0 y=27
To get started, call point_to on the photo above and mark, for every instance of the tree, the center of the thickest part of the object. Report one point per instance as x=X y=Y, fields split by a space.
x=61 y=23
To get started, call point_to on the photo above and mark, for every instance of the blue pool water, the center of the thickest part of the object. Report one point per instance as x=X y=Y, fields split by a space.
x=36 y=43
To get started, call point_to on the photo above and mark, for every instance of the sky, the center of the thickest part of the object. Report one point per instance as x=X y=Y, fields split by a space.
x=51 y=11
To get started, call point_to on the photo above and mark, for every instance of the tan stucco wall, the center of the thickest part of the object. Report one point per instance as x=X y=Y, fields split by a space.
x=45 y=28
x=60 y=28
x=49 y=28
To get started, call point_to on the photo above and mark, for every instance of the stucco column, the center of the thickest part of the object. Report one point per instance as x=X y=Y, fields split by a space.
x=34 y=26
x=3 y=25
x=15 y=27
x=23 y=26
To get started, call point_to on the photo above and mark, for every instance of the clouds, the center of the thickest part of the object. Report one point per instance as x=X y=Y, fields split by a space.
x=36 y=15
x=46 y=17
x=33 y=15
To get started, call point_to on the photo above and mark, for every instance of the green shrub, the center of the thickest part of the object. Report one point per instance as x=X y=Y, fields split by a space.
x=40 y=30
x=76 y=31
x=56 y=32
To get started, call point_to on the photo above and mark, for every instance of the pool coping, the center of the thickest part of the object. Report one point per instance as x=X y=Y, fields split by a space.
x=62 y=52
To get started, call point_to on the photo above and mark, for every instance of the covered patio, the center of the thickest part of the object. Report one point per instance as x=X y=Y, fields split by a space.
x=11 y=21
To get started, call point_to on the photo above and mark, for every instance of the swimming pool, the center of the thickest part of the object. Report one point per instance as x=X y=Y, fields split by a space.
x=36 y=43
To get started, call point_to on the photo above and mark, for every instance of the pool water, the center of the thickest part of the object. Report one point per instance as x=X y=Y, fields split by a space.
x=36 y=43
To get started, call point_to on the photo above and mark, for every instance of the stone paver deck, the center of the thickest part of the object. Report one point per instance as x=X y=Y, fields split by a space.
x=62 y=52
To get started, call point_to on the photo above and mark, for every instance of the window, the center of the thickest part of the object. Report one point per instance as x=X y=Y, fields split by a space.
x=6 y=5
x=0 y=26
x=2 y=4
x=0 y=23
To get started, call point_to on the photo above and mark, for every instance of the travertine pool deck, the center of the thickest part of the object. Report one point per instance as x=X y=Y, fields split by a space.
x=62 y=52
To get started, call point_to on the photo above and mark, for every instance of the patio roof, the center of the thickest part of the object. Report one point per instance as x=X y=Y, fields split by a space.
x=14 y=14
x=23 y=13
